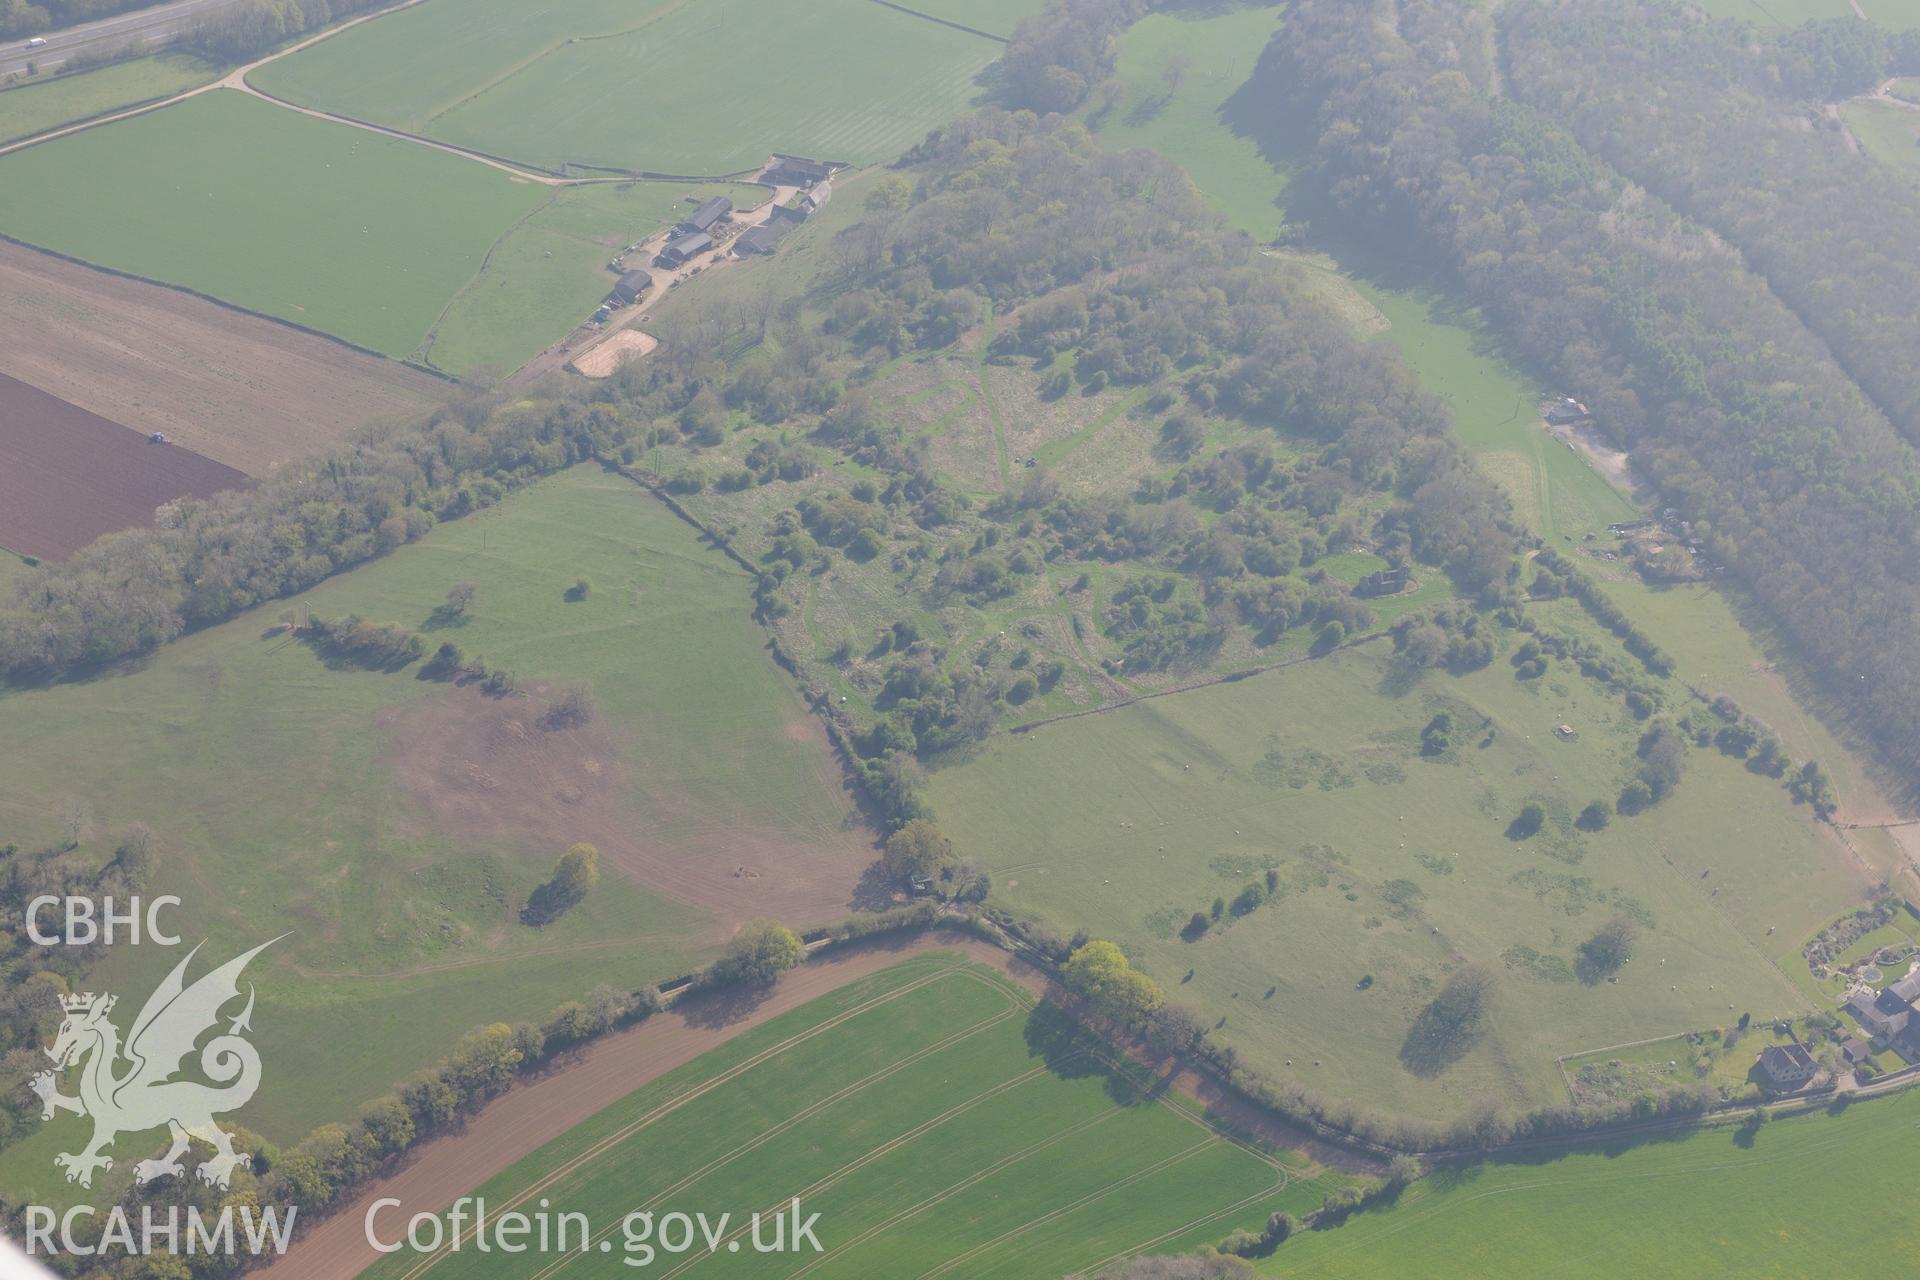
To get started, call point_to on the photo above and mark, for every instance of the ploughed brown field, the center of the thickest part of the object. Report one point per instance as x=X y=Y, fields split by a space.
x=240 y=389
x=67 y=476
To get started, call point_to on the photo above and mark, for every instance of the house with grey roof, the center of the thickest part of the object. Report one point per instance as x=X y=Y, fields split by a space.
x=1882 y=1013
x=1787 y=1066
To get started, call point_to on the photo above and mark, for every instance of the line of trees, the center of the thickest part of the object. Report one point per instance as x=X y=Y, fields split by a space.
x=1729 y=403
x=30 y=17
x=244 y=31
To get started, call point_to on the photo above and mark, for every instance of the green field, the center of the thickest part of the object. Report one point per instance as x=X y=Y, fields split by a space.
x=334 y=228
x=1900 y=15
x=1815 y=1195
x=1183 y=119
x=393 y=246
x=997 y=16
x=697 y=87
x=549 y=271
x=38 y=106
x=1555 y=491
x=1891 y=134
x=1780 y=13
x=285 y=791
x=1716 y=649
x=937 y=1122
x=1896 y=14
x=1396 y=866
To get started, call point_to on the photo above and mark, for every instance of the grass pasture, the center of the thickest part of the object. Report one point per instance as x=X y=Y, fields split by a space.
x=1811 y=1195
x=1779 y=13
x=1183 y=117
x=937 y=1122
x=13 y=572
x=1896 y=15
x=1555 y=491
x=1891 y=134
x=39 y=105
x=1395 y=868
x=697 y=87
x=291 y=793
x=998 y=17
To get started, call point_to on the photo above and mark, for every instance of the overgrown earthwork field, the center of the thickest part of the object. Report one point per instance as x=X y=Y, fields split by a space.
x=1380 y=866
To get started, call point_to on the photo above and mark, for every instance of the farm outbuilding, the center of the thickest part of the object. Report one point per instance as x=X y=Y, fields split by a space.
x=1565 y=412
x=685 y=247
x=630 y=288
x=797 y=171
x=703 y=219
x=763 y=238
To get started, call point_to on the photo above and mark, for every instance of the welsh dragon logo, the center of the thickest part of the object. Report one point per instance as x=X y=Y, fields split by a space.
x=143 y=1094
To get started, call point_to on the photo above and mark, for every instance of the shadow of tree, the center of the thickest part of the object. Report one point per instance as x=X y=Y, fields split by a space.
x=1435 y=1042
x=874 y=891
x=1071 y=1052
x=715 y=1010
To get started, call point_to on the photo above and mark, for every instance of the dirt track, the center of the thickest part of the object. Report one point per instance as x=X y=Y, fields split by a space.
x=67 y=476
x=532 y=1114
x=248 y=392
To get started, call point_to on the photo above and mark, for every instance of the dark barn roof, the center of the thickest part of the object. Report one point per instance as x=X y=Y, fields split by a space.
x=709 y=213
x=686 y=246
x=800 y=168
x=631 y=285
x=761 y=239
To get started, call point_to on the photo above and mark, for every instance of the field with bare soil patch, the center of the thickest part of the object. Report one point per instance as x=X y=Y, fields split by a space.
x=241 y=390
x=480 y=767
x=394 y=826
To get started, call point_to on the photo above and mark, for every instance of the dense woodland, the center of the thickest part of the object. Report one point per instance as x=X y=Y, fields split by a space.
x=1733 y=131
x=1730 y=404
